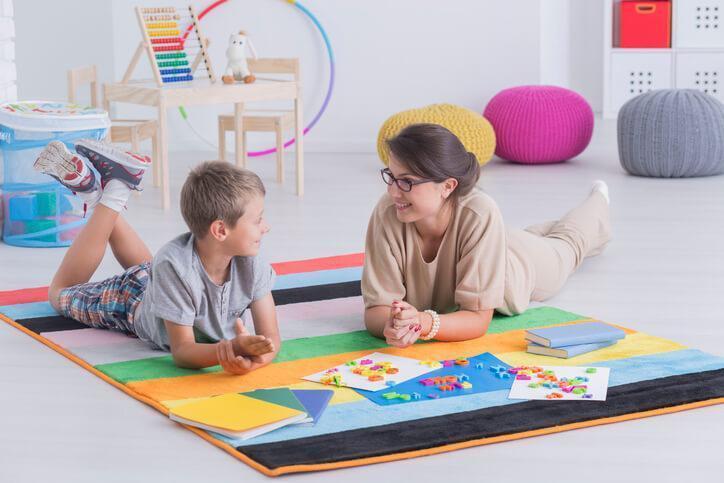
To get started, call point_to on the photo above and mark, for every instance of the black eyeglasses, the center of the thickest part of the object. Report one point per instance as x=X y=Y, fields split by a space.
x=404 y=184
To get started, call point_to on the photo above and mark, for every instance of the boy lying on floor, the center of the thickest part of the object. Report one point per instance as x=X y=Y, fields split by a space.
x=189 y=298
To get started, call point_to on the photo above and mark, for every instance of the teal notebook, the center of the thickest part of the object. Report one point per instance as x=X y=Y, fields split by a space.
x=566 y=352
x=575 y=334
x=283 y=397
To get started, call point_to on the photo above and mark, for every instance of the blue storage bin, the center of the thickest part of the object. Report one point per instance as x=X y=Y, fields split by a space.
x=37 y=211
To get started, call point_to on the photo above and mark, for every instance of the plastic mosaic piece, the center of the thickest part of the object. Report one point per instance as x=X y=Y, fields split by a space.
x=591 y=370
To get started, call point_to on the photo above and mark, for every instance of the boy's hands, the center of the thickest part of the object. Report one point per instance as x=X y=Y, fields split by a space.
x=403 y=327
x=249 y=347
x=229 y=361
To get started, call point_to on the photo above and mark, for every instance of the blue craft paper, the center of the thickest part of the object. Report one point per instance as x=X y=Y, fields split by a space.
x=315 y=401
x=483 y=380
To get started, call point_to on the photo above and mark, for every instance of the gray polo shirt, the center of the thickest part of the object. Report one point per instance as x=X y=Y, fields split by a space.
x=179 y=290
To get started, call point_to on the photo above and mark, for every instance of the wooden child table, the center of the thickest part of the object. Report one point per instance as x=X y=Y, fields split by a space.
x=206 y=92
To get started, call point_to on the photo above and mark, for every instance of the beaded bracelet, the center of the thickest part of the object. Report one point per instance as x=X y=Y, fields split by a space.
x=435 y=325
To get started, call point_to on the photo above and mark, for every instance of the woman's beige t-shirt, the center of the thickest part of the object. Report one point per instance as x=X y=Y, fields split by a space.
x=468 y=272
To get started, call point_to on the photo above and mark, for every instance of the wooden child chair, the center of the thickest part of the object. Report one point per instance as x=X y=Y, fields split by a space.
x=259 y=120
x=132 y=131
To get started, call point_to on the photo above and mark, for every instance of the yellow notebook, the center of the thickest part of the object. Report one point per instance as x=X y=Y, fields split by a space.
x=236 y=416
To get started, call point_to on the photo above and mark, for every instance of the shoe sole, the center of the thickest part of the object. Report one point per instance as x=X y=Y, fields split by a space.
x=58 y=162
x=57 y=155
x=121 y=157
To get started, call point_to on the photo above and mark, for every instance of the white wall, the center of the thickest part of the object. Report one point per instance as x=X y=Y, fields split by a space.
x=390 y=55
x=586 y=50
x=571 y=47
x=555 y=45
x=8 y=72
x=53 y=36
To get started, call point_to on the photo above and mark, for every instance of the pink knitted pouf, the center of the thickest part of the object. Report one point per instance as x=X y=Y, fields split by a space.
x=539 y=124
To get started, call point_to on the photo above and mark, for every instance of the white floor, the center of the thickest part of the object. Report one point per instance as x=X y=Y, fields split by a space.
x=663 y=274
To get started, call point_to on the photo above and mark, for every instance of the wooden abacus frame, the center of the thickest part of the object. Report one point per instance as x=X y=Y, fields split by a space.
x=161 y=15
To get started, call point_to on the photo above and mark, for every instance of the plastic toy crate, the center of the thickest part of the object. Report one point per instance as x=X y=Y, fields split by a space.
x=37 y=211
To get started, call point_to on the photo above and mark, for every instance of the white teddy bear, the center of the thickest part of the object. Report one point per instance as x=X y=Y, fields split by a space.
x=237 y=68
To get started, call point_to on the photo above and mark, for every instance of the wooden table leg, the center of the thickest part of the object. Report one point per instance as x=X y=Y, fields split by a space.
x=156 y=159
x=107 y=108
x=163 y=155
x=239 y=145
x=299 y=141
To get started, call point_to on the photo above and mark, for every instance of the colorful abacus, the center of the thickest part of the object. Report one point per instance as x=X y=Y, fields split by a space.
x=174 y=44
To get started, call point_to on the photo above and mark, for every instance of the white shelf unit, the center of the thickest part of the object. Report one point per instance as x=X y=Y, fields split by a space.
x=695 y=59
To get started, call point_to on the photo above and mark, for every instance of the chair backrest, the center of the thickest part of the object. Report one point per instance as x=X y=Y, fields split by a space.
x=275 y=66
x=80 y=76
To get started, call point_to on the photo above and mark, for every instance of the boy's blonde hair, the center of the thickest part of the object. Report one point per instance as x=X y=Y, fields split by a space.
x=217 y=190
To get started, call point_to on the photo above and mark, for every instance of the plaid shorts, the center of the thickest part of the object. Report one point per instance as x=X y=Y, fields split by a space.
x=108 y=304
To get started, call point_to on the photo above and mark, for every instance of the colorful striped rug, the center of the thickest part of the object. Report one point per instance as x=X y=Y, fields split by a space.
x=320 y=313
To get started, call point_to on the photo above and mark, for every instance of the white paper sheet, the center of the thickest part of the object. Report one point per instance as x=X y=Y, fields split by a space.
x=407 y=369
x=596 y=386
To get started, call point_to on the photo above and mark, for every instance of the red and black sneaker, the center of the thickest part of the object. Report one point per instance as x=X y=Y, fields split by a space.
x=113 y=163
x=70 y=170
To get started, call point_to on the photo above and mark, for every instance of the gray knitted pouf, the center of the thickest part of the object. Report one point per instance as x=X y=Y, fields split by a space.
x=672 y=133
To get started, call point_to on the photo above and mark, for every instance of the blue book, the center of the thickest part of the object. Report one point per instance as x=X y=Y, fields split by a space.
x=584 y=333
x=568 y=351
x=315 y=401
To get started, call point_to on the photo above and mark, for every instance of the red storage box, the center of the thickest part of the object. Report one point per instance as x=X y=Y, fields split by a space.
x=645 y=24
